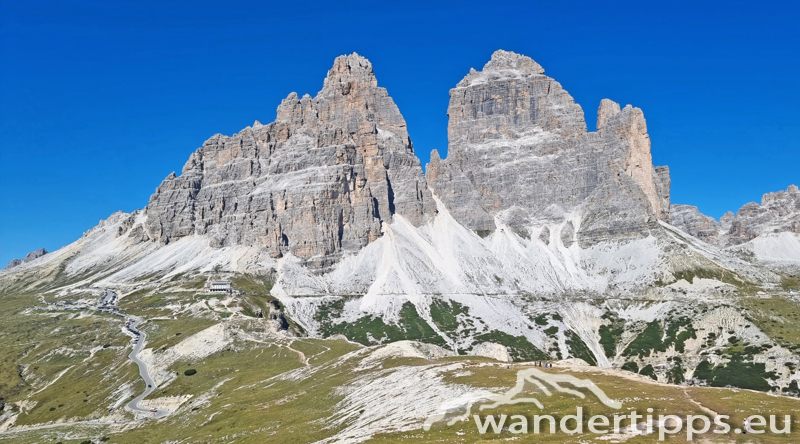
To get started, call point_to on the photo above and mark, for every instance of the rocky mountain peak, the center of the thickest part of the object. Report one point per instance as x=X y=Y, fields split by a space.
x=508 y=60
x=778 y=196
x=518 y=143
x=628 y=125
x=317 y=182
x=503 y=65
x=348 y=72
x=608 y=109
x=28 y=257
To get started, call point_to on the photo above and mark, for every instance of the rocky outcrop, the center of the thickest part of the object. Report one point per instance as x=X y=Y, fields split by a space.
x=28 y=257
x=689 y=219
x=629 y=127
x=663 y=184
x=518 y=143
x=317 y=182
x=778 y=212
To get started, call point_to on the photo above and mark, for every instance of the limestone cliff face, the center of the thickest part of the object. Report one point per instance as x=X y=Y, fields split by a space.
x=629 y=127
x=778 y=212
x=317 y=182
x=519 y=148
x=689 y=219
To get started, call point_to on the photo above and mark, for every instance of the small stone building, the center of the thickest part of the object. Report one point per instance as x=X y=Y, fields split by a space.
x=220 y=287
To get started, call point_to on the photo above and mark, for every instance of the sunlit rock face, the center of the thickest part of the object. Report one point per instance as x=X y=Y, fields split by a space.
x=317 y=182
x=519 y=151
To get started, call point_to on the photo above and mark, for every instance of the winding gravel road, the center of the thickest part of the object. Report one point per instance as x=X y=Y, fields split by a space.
x=150 y=384
x=106 y=302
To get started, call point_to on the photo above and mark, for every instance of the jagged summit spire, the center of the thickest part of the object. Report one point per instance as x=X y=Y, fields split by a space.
x=316 y=183
x=608 y=109
x=349 y=71
x=503 y=65
x=502 y=59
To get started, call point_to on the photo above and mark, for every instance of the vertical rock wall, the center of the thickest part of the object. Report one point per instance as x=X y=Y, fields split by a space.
x=317 y=182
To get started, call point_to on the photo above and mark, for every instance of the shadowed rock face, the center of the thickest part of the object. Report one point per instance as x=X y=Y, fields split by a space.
x=317 y=182
x=779 y=212
x=518 y=144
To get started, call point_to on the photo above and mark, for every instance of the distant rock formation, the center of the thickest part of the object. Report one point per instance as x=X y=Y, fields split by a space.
x=28 y=257
x=778 y=212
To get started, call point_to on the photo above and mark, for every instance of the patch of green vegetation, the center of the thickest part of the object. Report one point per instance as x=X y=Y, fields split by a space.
x=578 y=348
x=483 y=233
x=541 y=319
x=792 y=389
x=631 y=367
x=245 y=405
x=648 y=370
x=519 y=348
x=778 y=318
x=610 y=335
x=675 y=374
x=253 y=284
x=168 y=332
x=190 y=372
x=551 y=331
x=736 y=373
x=445 y=314
x=648 y=340
x=371 y=330
x=711 y=272
x=329 y=310
x=197 y=283
x=790 y=283
x=704 y=371
x=148 y=304
x=65 y=363
x=143 y=300
x=677 y=332
x=243 y=402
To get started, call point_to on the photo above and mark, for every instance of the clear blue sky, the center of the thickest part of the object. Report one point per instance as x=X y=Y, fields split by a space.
x=100 y=102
